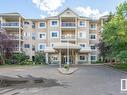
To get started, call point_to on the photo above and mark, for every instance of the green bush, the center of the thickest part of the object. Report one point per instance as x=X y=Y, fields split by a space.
x=18 y=58
x=39 y=58
x=8 y=61
x=122 y=56
x=66 y=66
x=26 y=62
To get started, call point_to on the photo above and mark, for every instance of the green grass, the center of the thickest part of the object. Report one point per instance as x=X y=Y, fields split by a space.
x=120 y=66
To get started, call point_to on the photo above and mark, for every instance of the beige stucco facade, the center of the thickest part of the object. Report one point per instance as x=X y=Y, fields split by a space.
x=58 y=36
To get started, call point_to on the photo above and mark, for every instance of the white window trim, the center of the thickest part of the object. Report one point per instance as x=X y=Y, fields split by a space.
x=93 y=28
x=93 y=49
x=84 y=56
x=84 y=34
x=41 y=44
x=54 y=25
x=82 y=43
x=80 y=25
x=95 y=57
x=52 y=32
x=95 y=36
x=41 y=22
x=41 y=33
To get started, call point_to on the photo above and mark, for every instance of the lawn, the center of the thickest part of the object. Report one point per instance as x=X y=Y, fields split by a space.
x=120 y=66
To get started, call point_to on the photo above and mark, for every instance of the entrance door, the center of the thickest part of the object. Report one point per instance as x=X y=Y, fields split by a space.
x=65 y=59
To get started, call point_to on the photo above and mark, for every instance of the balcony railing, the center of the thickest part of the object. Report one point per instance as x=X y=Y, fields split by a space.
x=11 y=24
x=65 y=37
x=16 y=37
x=68 y=24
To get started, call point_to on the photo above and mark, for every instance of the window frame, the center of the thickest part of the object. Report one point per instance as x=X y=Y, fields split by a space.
x=57 y=34
x=82 y=56
x=95 y=36
x=94 y=56
x=41 y=33
x=82 y=25
x=40 y=26
x=54 y=25
x=41 y=44
x=83 y=34
x=95 y=28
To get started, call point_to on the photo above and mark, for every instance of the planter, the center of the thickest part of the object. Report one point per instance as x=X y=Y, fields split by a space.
x=67 y=71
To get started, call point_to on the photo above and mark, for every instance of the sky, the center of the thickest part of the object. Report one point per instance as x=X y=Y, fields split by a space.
x=43 y=8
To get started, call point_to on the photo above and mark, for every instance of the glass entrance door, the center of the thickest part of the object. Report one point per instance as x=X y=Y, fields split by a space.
x=65 y=59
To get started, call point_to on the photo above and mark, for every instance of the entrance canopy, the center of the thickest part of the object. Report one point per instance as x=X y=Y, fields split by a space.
x=49 y=50
x=66 y=45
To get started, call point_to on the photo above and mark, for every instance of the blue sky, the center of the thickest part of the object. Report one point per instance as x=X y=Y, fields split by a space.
x=43 y=8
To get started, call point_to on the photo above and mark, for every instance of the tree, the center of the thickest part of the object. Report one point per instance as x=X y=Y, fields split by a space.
x=115 y=33
x=6 y=45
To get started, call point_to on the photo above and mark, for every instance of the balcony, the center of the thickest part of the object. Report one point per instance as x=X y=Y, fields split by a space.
x=16 y=37
x=17 y=49
x=11 y=25
x=68 y=25
x=70 y=38
x=85 y=49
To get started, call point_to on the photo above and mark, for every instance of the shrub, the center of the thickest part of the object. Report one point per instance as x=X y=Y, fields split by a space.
x=39 y=58
x=18 y=58
x=8 y=61
x=66 y=66
x=26 y=62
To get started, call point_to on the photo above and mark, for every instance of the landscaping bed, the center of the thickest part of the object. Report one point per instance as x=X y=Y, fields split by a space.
x=122 y=67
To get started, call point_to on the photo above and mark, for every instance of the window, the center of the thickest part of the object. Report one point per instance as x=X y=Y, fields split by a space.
x=92 y=37
x=26 y=23
x=33 y=36
x=33 y=25
x=42 y=35
x=54 y=23
x=42 y=25
x=27 y=34
x=52 y=45
x=93 y=58
x=82 y=57
x=93 y=47
x=82 y=23
x=33 y=48
x=54 y=34
x=55 y=58
x=26 y=46
x=82 y=34
x=41 y=46
x=93 y=26
x=82 y=45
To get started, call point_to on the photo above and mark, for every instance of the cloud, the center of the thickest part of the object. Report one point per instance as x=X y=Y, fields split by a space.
x=89 y=12
x=49 y=6
x=42 y=16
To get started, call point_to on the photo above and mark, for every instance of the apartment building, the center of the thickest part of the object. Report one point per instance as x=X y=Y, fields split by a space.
x=64 y=38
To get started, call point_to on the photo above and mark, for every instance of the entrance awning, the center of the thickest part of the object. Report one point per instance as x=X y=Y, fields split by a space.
x=66 y=45
x=49 y=50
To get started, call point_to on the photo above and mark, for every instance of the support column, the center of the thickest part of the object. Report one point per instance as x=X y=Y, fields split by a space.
x=46 y=55
x=89 y=58
x=76 y=58
x=60 y=58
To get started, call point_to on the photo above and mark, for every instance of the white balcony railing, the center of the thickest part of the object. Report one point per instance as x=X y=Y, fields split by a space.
x=65 y=37
x=11 y=24
x=16 y=37
x=68 y=24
